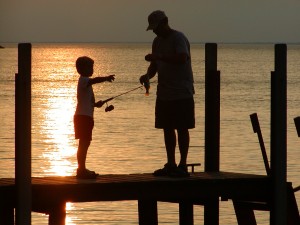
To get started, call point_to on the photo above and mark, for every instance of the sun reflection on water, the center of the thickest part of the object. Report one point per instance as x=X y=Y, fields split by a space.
x=59 y=130
x=70 y=219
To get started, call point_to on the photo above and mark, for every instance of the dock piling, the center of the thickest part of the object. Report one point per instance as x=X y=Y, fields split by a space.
x=212 y=127
x=186 y=213
x=7 y=214
x=147 y=212
x=23 y=135
x=278 y=214
x=212 y=109
x=57 y=215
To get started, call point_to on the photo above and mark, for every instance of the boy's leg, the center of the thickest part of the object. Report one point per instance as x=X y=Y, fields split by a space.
x=183 y=142
x=82 y=153
x=170 y=143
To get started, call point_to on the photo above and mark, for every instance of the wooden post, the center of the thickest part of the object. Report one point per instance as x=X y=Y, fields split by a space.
x=57 y=215
x=147 y=212
x=6 y=214
x=23 y=135
x=297 y=124
x=212 y=127
x=244 y=214
x=186 y=213
x=293 y=216
x=278 y=214
x=212 y=109
x=256 y=129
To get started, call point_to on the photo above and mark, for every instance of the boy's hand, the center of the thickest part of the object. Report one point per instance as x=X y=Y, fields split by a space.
x=110 y=78
x=99 y=104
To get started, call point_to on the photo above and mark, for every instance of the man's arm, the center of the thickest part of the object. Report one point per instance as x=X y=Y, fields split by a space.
x=151 y=71
x=177 y=58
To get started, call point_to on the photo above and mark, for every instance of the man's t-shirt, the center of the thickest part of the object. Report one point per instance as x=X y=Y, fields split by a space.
x=175 y=81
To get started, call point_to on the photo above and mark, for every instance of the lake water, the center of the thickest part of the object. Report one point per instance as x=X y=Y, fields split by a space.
x=125 y=140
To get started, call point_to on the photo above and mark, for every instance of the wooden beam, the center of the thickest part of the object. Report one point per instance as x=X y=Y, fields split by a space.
x=297 y=124
x=244 y=214
x=257 y=130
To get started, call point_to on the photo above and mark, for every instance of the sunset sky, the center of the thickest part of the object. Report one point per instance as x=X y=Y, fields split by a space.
x=229 y=21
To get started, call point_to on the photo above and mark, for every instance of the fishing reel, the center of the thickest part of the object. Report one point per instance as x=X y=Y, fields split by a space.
x=109 y=108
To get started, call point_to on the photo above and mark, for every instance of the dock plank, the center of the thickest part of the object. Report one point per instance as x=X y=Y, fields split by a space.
x=50 y=191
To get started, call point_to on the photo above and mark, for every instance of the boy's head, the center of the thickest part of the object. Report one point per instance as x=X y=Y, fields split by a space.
x=85 y=66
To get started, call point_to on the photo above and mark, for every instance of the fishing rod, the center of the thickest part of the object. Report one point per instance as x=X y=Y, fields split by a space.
x=111 y=107
x=109 y=99
x=145 y=83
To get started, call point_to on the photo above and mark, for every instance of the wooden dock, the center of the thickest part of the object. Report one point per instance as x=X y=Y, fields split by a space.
x=50 y=194
x=248 y=192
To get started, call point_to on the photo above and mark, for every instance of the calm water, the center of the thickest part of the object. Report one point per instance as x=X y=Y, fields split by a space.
x=124 y=140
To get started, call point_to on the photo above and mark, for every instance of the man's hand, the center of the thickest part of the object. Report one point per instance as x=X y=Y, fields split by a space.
x=152 y=57
x=144 y=79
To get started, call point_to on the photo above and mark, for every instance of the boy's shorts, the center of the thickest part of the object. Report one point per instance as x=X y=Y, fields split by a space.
x=175 y=114
x=83 y=127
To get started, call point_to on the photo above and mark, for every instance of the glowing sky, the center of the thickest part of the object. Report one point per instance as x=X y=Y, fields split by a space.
x=126 y=20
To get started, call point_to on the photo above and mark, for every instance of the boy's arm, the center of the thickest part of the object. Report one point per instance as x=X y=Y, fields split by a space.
x=96 y=80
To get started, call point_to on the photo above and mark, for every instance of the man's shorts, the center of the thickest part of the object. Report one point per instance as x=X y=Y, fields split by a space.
x=83 y=127
x=175 y=114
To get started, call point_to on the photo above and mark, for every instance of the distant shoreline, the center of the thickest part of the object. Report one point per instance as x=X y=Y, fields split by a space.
x=9 y=44
x=146 y=42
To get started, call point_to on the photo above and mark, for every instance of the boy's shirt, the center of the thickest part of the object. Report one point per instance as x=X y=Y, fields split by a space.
x=85 y=98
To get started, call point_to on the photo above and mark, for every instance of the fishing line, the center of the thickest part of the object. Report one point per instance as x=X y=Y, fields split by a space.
x=123 y=93
x=111 y=107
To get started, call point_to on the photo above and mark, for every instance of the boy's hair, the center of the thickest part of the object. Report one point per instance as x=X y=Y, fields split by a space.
x=83 y=65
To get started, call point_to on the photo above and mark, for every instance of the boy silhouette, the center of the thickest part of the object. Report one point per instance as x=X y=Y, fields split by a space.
x=84 y=114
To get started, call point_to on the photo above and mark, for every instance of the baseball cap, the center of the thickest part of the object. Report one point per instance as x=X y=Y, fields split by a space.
x=155 y=18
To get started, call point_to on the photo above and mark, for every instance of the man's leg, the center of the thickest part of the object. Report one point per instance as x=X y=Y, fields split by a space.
x=183 y=142
x=170 y=143
x=82 y=153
